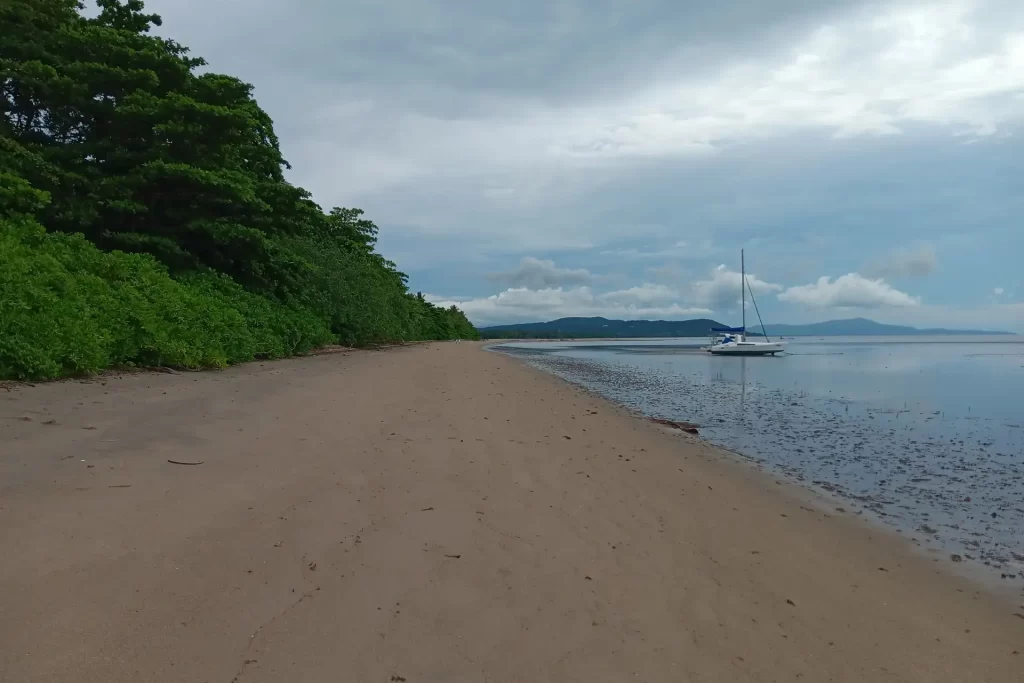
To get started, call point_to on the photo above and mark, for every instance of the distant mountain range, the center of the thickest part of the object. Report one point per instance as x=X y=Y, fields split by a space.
x=600 y=327
x=576 y=328
x=854 y=327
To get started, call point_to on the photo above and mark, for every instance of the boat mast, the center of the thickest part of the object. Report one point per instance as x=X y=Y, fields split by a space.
x=743 y=292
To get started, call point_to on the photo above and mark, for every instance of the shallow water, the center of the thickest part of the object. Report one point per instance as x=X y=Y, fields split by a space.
x=925 y=434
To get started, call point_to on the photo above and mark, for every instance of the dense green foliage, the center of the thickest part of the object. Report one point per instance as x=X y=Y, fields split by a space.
x=69 y=308
x=145 y=216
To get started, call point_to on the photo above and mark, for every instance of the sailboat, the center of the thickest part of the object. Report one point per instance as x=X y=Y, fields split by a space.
x=733 y=340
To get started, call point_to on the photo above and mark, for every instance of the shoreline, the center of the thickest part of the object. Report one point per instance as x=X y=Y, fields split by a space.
x=438 y=512
x=968 y=548
x=828 y=502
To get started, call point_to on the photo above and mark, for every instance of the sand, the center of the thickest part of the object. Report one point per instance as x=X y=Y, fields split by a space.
x=438 y=513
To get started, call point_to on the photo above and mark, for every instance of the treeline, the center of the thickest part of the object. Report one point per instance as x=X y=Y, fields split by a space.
x=145 y=217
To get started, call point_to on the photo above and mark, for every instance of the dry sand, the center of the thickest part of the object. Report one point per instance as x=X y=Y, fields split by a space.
x=438 y=513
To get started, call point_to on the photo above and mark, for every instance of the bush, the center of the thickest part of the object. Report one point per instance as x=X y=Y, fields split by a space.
x=67 y=308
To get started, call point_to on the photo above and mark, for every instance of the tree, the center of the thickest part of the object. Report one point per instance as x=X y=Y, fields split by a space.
x=137 y=151
x=112 y=133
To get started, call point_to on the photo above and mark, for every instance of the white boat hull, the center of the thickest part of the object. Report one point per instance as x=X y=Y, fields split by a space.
x=747 y=349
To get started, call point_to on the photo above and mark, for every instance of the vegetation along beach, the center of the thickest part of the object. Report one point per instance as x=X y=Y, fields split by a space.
x=145 y=218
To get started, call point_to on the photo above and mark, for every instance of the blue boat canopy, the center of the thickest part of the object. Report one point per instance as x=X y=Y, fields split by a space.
x=729 y=330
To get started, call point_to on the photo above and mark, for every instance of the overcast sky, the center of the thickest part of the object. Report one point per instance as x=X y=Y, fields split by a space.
x=542 y=158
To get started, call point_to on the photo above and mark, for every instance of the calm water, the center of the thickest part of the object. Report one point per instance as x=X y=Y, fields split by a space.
x=925 y=434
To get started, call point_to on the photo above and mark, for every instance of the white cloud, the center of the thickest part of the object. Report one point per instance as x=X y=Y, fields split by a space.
x=999 y=316
x=437 y=131
x=680 y=249
x=998 y=291
x=647 y=301
x=866 y=73
x=644 y=295
x=519 y=304
x=722 y=288
x=917 y=261
x=669 y=273
x=848 y=291
x=448 y=301
x=533 y=273
x=467 y=132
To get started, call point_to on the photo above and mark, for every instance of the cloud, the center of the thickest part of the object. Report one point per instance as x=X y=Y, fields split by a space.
x=917 y=261
x=670 y=273
x=533 y=273
x=429 y=99
x=649 y=301
x=659 y=300
x=993 y=316
x=680 y=249
x=647 y=295
x=722 y=288
x=848 y=291
x=632 y=253
x=629 y=132
x=998 y=291
x=867 y=73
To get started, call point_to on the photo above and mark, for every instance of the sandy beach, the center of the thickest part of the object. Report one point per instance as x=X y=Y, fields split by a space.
x=439 y=513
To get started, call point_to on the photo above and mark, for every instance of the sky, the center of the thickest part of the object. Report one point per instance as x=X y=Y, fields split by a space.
x=546 y=158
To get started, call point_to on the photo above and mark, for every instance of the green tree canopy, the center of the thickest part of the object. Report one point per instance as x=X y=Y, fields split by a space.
x=118 y=135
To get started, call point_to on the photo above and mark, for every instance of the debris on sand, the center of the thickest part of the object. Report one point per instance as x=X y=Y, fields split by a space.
x=687 y=427
x=186 y=462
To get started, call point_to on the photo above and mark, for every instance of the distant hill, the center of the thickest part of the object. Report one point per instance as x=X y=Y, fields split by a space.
x=854 y=327
x=577 y=328
x=600 y=327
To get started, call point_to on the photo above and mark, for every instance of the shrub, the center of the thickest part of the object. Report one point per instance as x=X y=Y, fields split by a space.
x=67 y=308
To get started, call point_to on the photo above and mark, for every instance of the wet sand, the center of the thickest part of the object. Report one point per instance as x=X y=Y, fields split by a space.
x=954 y=485
x=438 y=513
